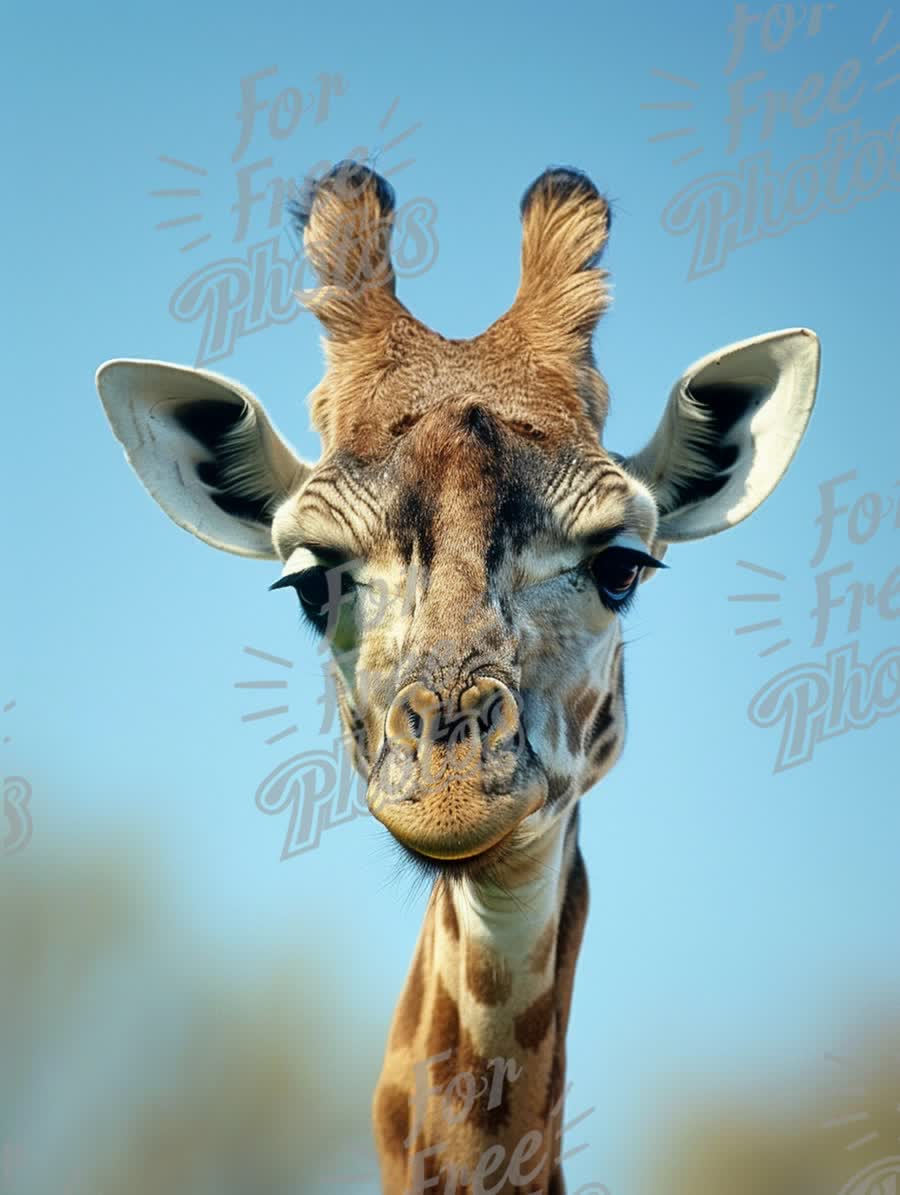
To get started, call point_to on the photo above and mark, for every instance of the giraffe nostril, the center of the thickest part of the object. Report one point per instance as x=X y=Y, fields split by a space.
x=487 y=714
x=495 y=711
x=411 y=717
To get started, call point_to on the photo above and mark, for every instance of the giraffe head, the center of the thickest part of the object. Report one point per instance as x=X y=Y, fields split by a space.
x=465 y=542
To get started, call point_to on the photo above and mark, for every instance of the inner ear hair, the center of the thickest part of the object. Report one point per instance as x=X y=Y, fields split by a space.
x=704 y=449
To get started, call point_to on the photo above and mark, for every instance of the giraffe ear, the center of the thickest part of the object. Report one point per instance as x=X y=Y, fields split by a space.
x=204 y=448
x=729 y=431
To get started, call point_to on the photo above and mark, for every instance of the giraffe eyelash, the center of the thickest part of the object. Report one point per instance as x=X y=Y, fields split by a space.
x=314 y=592
x=619 y=564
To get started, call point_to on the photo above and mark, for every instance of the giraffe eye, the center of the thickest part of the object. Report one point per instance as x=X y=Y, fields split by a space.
x=313 y=588
x=616 y=573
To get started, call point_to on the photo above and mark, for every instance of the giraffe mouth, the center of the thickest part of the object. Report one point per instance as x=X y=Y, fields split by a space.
x=461 y=829
x=481 y=864
x=451 y=854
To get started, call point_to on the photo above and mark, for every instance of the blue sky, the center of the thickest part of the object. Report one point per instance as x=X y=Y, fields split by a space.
x=739 y=915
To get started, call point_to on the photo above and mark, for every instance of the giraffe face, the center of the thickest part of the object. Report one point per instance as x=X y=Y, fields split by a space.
x=471 y=575
x=466 y=543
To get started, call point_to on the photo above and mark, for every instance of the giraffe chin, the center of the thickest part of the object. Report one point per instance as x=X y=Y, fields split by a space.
x=458 y=831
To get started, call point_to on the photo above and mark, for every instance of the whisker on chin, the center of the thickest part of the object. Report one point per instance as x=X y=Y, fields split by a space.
x=405 y=875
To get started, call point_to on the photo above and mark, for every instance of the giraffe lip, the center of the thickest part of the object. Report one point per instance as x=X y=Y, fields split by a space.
x=466 y=845
x=472 y=866
x=450 y=855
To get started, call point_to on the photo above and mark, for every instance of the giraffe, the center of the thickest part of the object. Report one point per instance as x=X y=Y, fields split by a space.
x=469 y=548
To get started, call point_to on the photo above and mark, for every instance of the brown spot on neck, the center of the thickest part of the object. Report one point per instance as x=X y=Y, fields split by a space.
x=392 y=1109
x=533 y=1025
x=488 y=976
x=555 y=1084
x=443 y=1033
x=569 y=934
x=490 y=1111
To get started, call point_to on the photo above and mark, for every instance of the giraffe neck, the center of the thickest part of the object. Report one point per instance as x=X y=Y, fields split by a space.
x=470 y=1094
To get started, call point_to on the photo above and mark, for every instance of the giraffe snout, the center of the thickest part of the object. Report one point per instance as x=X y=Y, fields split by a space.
x=456 y=774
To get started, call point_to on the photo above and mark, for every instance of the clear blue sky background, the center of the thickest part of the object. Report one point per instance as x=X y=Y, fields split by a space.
x=737 y=915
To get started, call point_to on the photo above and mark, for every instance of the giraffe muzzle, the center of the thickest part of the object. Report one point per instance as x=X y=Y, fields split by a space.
x=455 y=776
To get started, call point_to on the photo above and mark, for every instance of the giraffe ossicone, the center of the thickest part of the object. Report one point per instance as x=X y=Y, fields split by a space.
x=467 y=480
